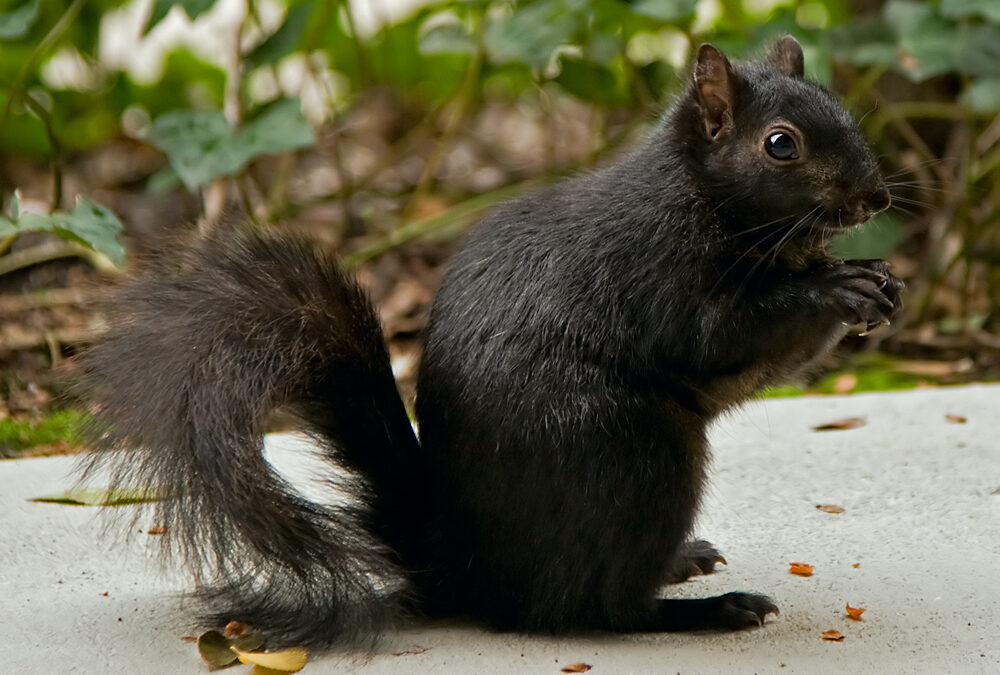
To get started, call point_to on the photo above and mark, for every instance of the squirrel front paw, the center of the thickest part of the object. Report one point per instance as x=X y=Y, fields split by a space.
x=864 y=293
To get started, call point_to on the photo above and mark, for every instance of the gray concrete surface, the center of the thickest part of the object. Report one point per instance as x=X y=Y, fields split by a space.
x=922 y=518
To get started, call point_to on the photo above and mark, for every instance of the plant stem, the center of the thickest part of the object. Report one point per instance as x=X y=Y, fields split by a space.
x=457 y=214
x=54 y=250
x=56 y=32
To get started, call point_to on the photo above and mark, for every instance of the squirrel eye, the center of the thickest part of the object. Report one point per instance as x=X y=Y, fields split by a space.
x=781 y=146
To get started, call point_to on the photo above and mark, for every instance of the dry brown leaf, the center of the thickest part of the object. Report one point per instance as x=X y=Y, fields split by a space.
x=830 y=508
x=957 y=419
x=837 y=425
x=832 y=635
x=157 y=529
x=801 y=569
x=235 y=629
x=577 y=668
x=845 y=383
x=854 y=612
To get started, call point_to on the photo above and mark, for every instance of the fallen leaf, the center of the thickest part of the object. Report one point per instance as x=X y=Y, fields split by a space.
x=188 y=638
x=214 y=649
x=845 y=383
x=287 y=660
x=957 y=419
x=854 y=612
x=235 y=629
x=801 y=569
x=577 y=668
x=856 y=565
x=101 y=497
x=830 y=508
x=157 y=529
x=832 y=635
x=846 y=423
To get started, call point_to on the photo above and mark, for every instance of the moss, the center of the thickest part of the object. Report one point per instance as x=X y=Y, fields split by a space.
x=61 y=427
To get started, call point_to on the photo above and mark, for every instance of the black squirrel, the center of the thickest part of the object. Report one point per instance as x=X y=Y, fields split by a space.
x=580 y=344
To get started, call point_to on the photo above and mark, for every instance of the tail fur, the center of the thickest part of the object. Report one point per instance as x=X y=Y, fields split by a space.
x=203 y=346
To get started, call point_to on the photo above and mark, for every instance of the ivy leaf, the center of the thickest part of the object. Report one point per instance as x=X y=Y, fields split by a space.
x=89 y=223
x=591 y=82
x=926 y=42
x=978 y=50
x=189 y=138
x=162 y=7
x=449 y=38
x=15 y=24
x=962 y=9
x=664 y=10
x=280 y=128
x=531 y=35
x=202 y=145
x=983 y=95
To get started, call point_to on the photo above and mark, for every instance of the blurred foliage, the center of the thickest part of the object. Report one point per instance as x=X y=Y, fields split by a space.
x=924 y=76
x=64 y=426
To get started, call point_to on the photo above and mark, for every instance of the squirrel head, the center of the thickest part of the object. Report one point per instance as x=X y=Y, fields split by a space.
x=770 y=147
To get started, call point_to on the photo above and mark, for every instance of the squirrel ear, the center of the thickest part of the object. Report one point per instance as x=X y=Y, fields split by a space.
x=713 y=79
x=786 y=54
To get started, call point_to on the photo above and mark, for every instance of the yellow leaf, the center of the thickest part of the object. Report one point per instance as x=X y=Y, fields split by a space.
x=287 y=660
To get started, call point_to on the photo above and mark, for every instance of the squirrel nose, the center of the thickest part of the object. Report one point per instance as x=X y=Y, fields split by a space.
x=877 y=201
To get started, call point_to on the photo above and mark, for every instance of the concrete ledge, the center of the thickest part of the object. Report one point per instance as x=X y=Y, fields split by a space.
x=921 y=499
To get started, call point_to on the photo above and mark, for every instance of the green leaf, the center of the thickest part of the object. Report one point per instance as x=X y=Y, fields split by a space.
x=286 y=40
x=214 y=649
x=591 y=82
x=927 y=44
x=190 y=7
x=983 y=95
x=15 y=24
x=280 y=128
x=202 y=145
x=962 y=9
x=876 y=239
x=978 y=50
x=449 y=38
x=190 y=139
x=89 y=223
x=665 y=10
x=102 y=497
x=531 y=35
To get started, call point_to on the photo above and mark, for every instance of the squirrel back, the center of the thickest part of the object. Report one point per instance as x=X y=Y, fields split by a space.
x=581 y=342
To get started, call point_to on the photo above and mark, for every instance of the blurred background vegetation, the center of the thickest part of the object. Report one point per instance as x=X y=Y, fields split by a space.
x=387 y=127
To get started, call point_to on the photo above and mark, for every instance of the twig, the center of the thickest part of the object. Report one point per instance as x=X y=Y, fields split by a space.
x=55 y=250
x=44 y=299
x=452 y=127
x=15 y=343
x=457 y=214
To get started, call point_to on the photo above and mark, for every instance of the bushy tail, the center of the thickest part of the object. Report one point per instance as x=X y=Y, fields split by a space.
x=202 y=347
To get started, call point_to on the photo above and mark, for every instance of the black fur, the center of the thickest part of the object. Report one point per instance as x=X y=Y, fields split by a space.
x=580 y=344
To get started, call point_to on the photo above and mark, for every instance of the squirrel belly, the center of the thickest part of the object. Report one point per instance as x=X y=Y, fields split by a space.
x=579 y=346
